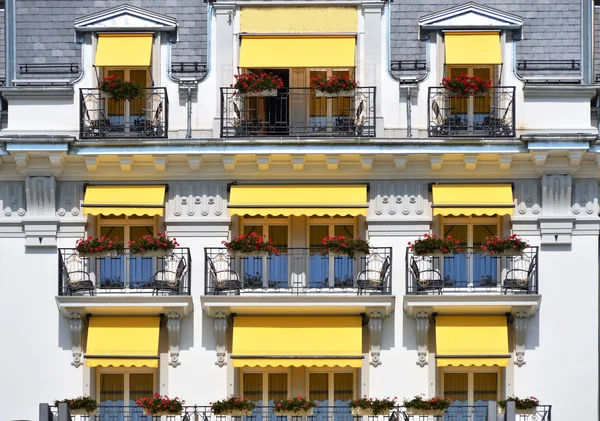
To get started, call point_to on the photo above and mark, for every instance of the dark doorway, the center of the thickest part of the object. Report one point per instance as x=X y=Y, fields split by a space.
x=273 y=113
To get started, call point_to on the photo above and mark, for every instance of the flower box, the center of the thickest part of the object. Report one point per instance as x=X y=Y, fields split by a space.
x=525 y=411
x=111 y=254
x=155 y=253
x=163 y=413
x=236 y=412
x=266 y=92
x=252 y=254
x=435 y=252
x=81 y=411
x=299 y=413
x=335 y=94
x=434 y=412
x=357 y=412
x=509 y=252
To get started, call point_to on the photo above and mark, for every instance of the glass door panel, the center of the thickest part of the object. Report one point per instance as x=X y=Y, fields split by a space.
x=456 y=267
x=141 y=269
x=278 y=389
x=278 y=264
x=343 y=387
x=139 y=109
x=318 y=105
x=253 y=387
x=343 y=265
x=481 y=106
x=112 y=397
x=318 y=271
x=253 y=265
x=456 y=388
x=485 y=268
x=116 y=108
x=111 y=270
x=318 y=388
x=140 y=386
x=485 y=388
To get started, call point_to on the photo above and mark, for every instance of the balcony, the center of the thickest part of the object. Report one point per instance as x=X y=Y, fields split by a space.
x=320 y=413
x=101 y=117
x=472 y=272
x=125 y=274
x=298 y=112
x=489 y=115
x=298 y=271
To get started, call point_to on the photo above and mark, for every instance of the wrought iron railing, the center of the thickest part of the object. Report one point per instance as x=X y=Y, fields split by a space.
x=488 y=115
x=320 y=413
x=298 y=112
x=103 y=117
x=472 y=271
x=298 y=271
x=124 y=273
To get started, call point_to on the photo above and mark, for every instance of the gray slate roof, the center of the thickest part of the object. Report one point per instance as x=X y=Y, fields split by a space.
x=45 y=30
x=596 y=42
x=2 y=45
x=551 y=29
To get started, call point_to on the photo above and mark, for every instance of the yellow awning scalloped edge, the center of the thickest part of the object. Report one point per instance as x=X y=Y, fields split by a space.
x=123 y=342
x=471 y=341
x=472 y=48
x=298 y=200
x=124 y=200
x=261 y=341
x=124 y=50
x=472 y=199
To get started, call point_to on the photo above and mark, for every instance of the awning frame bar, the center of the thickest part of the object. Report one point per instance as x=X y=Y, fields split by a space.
x=299 y=357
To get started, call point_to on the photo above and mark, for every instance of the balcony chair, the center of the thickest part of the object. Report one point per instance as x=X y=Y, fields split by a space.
x=352 y=126
x=75 y=278
x=520 y=280
x=153 y=125
x=94 y=126
x=373 y=278
x=423 y=284
x=223 y=279
x=443 y=126
x=169 y=278
x=499 y=126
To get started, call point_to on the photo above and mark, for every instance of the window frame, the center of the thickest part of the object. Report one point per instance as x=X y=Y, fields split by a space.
x=470 y=382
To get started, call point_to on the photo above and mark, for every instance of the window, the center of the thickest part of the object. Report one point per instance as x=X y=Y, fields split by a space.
x=118 y=112
x=324 y=109
x=471 y=267
x=118 y=390
x=129 y=272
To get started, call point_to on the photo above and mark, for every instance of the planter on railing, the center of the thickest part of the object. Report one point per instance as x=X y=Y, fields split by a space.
x=299 y=413
x=425 y=412
x=111 y=254
x=235 y=413
x=266 y=92
x=520 y=411
x=82 y=412
x=335 y=94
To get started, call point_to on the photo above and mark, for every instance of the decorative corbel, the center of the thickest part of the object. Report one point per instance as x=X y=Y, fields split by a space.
x=220 y=322
x=76 y=328
x=422 y=335
x=375 y=325
x=174 y=330
x=520 y=322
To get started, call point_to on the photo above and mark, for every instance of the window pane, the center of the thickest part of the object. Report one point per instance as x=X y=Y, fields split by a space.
x=140 y=386
x=257 y=229
x=317 y=233
x=253 y=387
x=458 y=232
x=137 y=232
x=342 y=388
x=318 y=106
x=112 y=389
x=456 y=387
x=318 y=387
x=279 y=235
x=113 y=232
x=480 y=232
x=346 y=230
x=485 y=387
x=277 y=386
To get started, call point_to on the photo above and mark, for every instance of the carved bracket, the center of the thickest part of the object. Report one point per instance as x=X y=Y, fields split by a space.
x=76 y=320
x=520 y=322
x=375 y=325
x=220 y=323
x=174 y=330
x=422 y=335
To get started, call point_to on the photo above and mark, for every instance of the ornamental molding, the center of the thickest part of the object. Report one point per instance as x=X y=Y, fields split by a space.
x=76 y=325
x=125 y=17
x=520 y=324
x=220 y=321
x=422 y=318
x=174 y=331
x=375 y=326
x=196 y=201
x=399 y=199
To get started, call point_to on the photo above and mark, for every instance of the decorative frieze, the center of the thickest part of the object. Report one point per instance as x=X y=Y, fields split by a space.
x=12 y=199
x=70 y=197
x=196 y=200
x=399 y=199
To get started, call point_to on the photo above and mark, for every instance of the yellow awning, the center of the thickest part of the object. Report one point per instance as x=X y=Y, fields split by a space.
x=261 y=341
x=472 y=48
x=124 y=200
x=290 y=19
x=471 y=341
x=124 y=50
x=297 y=51
x=122 y=342
x=472 y=199
x=299 y=200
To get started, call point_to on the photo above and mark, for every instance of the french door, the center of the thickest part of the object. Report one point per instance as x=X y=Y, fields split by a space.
x=471 y=109
x=118 y=392
x=126 y=271
x=263 y=388
x=123 y=114
x=470 y=268
x=470 y=391
x=327 y=271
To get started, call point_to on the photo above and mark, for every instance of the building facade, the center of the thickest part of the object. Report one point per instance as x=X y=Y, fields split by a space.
x=404 y=155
